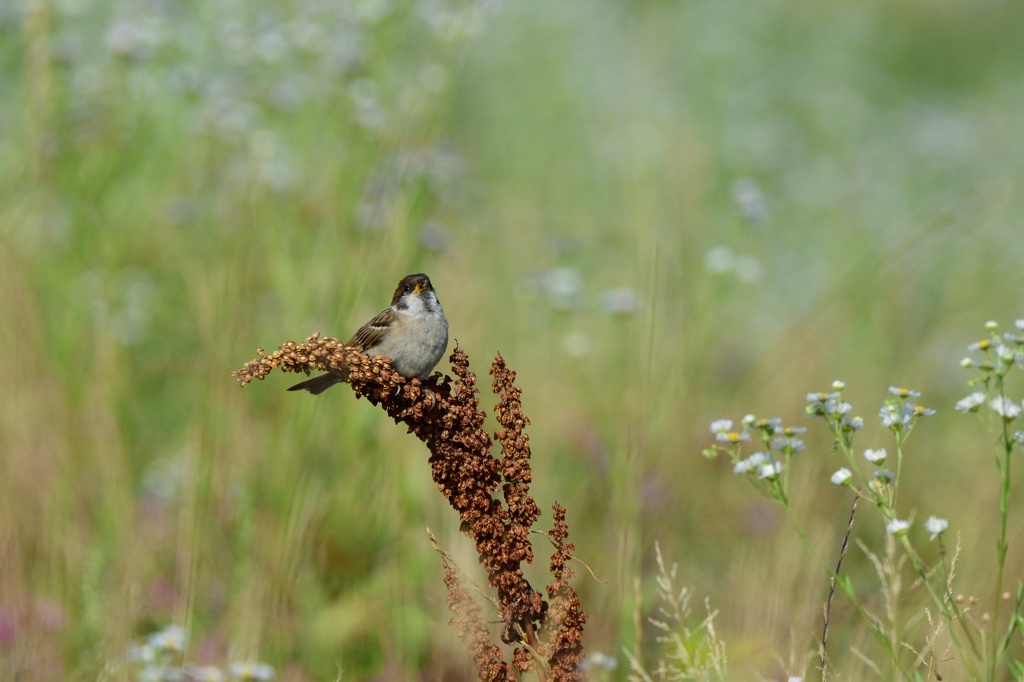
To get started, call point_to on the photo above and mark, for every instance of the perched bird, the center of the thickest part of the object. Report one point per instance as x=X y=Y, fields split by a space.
x=413 y=332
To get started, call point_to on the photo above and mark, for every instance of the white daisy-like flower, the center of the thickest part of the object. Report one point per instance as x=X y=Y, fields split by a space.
x=599 y=661
x=252 y=671
x=885 y=476
x=841 y=476
x=757 y=459
x=795 y=679
x=733 y=436
x=917 y=410
x=771 y=470
x=967 y=363
x=721 y=426
x=838 y=385
x=936 y=526
x=1019 y=324
x=793 y=430
x=208 y=673
x=1006 y=353
x=991 y=325
x=852 y=423
x=749 y=419
x=893 y=417
x=1005 y=408
x=904 y=392
x=750 y=463
x=837 y=408
x=984 y=344
x=897 y=527
x=983 y=365
x=769 y=426
x=875 y=456
x=784 y=443
x=171 y=639
x=971 y=403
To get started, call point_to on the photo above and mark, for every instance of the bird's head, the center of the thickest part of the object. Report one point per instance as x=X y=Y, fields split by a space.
x=418 y=286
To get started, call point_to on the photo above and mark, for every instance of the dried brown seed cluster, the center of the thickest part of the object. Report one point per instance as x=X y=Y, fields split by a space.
x=473 y=630
x=566 y=618
x=445 y=415
x=519 y=602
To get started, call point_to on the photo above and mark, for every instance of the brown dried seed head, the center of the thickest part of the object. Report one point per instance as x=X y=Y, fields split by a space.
x=446 y=416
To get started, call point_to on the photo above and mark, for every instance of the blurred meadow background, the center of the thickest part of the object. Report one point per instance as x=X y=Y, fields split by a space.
x=660 y=212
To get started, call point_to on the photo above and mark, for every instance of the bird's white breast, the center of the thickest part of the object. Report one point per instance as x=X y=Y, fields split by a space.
x=420 y=339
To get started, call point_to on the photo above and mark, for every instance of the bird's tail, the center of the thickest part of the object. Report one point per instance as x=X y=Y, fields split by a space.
x=319 y=383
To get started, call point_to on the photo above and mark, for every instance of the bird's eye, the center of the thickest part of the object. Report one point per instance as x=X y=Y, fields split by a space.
x=407 y=288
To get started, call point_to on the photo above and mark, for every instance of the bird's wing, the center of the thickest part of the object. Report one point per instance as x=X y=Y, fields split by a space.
x=372 y=333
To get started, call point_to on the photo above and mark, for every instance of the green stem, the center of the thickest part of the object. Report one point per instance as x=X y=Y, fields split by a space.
x=899 y=467
x=887 y=507
x=1004 y=495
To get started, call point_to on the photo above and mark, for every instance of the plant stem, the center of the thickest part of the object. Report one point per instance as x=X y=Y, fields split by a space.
x=899 y=467
x=852 y=596
x=832 y=586
x=1004 y=495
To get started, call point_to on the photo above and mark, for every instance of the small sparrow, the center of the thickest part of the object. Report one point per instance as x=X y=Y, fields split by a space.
x=413 y=332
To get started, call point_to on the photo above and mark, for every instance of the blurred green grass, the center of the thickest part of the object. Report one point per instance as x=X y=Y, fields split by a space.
x=182 y=182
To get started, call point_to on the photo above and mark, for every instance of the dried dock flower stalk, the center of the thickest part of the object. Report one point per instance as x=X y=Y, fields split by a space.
x=445 y=414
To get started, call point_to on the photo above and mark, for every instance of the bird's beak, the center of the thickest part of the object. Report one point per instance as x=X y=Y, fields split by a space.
x=422 y=286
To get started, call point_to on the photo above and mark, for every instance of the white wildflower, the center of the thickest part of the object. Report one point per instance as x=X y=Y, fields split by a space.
x=842 y=476
x=971 y=403
x=788 y=444
x=897 y=527
x=757 y=459
x=875 y=456
x=1005 y=408
x=837 y=408
x=599 y=661
x=258 y=672
x=721 y=425
x=917 y=410
x=770 y=471
x=936 y=526
x=208 y=673
x=733 y=436
x=852 y=423
x=892 y=416
x=170 y=639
